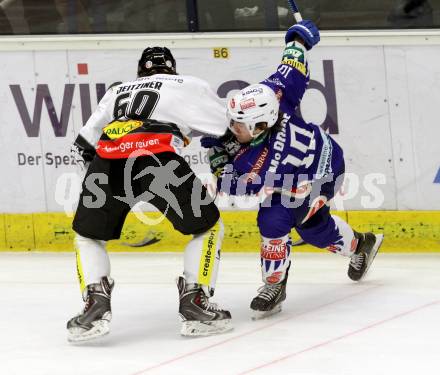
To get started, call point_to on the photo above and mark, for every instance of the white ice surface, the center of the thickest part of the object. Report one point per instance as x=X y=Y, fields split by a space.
x=389 y=324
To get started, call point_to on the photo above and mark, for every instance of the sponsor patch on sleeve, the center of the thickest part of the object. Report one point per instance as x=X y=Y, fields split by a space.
x=295 y=57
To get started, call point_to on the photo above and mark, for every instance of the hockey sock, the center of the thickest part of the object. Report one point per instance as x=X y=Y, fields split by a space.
x=275 y=254
x=92 y=261
x=333 y=233
x=202 y=257
x=346 y=243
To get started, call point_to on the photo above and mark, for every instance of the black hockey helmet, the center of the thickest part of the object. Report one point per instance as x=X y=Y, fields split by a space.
x=156 y=60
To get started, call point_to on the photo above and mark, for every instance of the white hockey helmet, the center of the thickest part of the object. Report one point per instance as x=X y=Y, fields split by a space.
x=252 y=105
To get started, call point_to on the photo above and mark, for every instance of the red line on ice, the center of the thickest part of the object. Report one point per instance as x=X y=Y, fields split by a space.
x=352 y=333
x=205 y=348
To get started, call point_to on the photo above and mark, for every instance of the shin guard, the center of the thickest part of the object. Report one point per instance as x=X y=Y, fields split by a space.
x=92 y=261
x=202 y=258
x=275 y=253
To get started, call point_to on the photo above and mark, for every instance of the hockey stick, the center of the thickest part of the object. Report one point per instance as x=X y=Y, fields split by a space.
x=295 y=10
x=298 y=18
x=151 y=237
x=298 y=242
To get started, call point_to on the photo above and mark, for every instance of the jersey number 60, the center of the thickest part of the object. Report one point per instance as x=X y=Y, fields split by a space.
x=137 y=106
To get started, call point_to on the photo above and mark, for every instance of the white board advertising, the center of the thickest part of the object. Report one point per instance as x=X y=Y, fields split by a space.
x=379 y=103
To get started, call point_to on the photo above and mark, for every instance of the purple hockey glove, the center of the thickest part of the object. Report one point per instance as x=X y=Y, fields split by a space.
x=307 y=31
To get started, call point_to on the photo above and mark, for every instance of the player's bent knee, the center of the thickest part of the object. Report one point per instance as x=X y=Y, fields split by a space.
x=320 y=231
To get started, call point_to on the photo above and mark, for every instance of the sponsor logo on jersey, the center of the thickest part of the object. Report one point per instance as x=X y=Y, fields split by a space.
x=248 y=103
x=241 y=152
x=256 y=168
x=295 y=64
x=325 y=159
x=123 y=147
x=130 y=144
x=292 y=52
x=118 y=129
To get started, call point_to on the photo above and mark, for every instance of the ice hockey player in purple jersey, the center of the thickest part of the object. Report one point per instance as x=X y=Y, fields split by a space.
x=302 y=165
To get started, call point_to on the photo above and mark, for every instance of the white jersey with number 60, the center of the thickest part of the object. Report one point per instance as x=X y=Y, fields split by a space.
x=186 y=101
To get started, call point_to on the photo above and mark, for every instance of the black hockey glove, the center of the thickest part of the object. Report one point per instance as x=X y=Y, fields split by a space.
x=218 y=158
x=227 y=141
x=230 y=143
x=82 y=153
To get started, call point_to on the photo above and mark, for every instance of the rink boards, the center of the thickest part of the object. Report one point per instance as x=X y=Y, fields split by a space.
x=405 y=231
x=376 y=93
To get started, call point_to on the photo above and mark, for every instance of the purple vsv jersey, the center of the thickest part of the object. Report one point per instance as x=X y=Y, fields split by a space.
x=292 y=151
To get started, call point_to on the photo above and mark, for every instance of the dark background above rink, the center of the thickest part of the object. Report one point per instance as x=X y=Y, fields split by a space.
x=25 y=17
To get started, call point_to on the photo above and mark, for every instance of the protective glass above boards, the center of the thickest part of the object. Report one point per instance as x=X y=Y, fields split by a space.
x=28 y=17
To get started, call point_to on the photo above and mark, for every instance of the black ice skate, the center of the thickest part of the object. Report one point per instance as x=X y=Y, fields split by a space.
x=94 y=321
x=364 y=255
x=199 y=316
x=269 y=299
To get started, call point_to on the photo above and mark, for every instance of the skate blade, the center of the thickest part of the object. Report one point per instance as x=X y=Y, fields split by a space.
x=100 y=329
x=257 y=315
x=199 y=328
x=374 y=251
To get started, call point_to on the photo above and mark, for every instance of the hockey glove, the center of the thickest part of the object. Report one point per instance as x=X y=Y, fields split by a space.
x=208 y=141
x=82 y=153
x=230 y=143
x=307 y=31
x=227 y=141
x=218 y=158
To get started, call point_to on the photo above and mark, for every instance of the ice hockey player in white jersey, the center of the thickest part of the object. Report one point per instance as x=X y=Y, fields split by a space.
x=133 y=139
x=301 y=164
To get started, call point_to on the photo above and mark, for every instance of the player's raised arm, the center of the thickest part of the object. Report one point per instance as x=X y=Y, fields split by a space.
x=292 y=75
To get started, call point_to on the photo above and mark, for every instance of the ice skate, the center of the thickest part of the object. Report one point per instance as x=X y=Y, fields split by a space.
x=199 y=316
x=94 y=321
x=269 y=299
x=364 y=255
